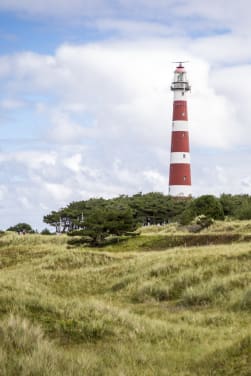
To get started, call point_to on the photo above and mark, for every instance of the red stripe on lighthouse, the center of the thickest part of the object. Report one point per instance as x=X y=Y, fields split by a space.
x=180 y=142
x=180 y=174
x=180 y=110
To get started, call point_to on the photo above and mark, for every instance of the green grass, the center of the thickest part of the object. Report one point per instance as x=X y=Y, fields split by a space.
x=125 y=309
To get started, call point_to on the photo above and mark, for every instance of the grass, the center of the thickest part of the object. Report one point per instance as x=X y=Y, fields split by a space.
x=125 y=309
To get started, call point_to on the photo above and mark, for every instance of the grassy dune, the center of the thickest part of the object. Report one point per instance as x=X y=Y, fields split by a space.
x=124 y=309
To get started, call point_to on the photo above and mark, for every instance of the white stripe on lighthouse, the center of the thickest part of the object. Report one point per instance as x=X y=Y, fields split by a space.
x=180 y=125
x=179 y=95
x=180 y=190
x=180 y=157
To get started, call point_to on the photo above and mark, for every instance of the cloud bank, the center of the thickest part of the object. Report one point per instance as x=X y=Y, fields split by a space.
x=94 y=119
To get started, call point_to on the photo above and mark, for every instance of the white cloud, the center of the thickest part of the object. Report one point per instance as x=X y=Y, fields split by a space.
x=31 y=159
x=156 y=180
x=3 y=192
x=232 y=14
x=106 y=108
x=120 y=91
x=128 y=28
x=65 y=130
x=220 y=13
x=24 y=202
x=58 y=192
x=246 y=182
x=226 y=49
x=73 y=162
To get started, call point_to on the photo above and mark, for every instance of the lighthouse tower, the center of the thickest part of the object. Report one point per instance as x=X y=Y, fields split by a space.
x=180 y=171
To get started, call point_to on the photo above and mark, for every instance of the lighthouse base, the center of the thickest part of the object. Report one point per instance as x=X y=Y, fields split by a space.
x=180 y=190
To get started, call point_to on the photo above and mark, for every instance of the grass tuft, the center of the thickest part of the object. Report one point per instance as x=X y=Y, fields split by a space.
x=245 y=302
x=151 y=291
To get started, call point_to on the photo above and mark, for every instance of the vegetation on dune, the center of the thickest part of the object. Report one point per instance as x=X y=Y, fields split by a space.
x=98 y=219
x=21 y=228
x=206 y=205
x=147 y=209
x=104 y=221
x=45 y=231
x=82 y=311
x=24 y=350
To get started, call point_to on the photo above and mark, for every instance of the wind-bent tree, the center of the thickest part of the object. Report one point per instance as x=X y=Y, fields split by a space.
x=104 y=221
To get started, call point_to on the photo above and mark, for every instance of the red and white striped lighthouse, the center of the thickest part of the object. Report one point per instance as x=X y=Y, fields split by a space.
x=180 y=170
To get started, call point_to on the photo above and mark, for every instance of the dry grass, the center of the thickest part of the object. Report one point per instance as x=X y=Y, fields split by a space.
x=80 y=311
x=226 y=226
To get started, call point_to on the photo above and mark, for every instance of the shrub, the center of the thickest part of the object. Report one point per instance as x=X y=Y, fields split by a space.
x=206 y=205
x=46 y=231
x=21 y=227
x=200 y=222
x=244 y=212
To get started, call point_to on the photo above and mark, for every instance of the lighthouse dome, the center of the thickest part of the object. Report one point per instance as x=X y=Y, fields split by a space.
x=180 y=70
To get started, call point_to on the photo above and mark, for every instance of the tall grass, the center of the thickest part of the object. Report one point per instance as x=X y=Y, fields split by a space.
x=80 y=311
x=25 y=351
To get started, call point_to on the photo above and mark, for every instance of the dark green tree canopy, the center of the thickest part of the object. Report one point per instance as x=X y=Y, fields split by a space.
x=207 y=205
x=148 y=209
x=107 y=220
x=20 y=227
x=46 y=231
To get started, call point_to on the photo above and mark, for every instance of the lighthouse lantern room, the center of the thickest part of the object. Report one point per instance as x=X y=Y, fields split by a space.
x=180 y=170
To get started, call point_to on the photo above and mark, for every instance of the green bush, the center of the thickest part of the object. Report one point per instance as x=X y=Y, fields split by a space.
x=46 y=231
x=244 y=212
x=22 y=227
x=206 y=205
x=200 y=223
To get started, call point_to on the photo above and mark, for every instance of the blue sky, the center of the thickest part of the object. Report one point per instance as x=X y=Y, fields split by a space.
x=85 y=105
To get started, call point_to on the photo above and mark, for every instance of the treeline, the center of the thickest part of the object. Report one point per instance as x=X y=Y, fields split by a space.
x=147 y=209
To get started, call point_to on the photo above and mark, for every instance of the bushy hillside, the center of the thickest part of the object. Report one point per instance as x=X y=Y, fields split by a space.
x=68 y=310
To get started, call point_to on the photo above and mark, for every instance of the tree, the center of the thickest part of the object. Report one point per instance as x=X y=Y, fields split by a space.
x=228 y=204
x=104 y=221
x=21 y=227
x=45 y=231
x=243 y=211
x=207 y=205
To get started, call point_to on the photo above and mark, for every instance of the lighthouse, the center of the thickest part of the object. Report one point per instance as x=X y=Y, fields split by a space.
x=180 y=170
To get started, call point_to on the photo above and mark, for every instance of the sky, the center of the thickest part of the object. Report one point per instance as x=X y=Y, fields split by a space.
x=86 y=106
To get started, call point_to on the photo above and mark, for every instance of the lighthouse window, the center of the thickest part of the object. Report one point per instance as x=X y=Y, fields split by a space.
x=184 y=155
x=180 y=77
x=184 y=178
x=183 y=134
